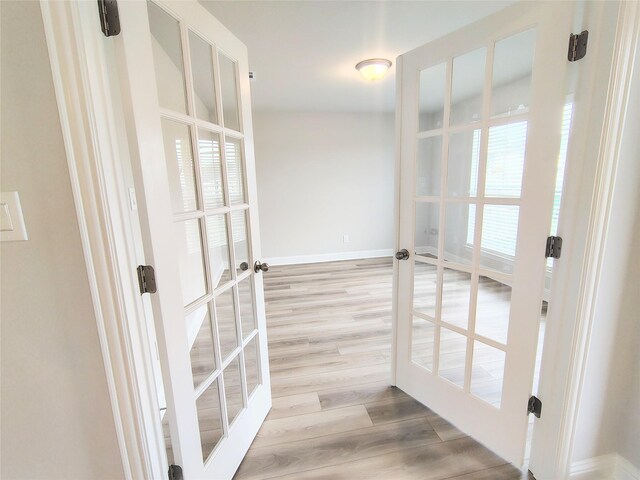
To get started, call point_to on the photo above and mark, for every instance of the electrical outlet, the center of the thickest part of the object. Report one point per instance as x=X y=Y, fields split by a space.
x=345 y=239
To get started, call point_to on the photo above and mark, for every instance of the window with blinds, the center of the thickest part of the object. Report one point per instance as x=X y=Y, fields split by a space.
x=505 y=163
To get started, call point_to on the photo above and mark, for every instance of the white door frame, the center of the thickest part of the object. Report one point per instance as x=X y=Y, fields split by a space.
x=78 y=61
x=79 y=65
x=590 y=179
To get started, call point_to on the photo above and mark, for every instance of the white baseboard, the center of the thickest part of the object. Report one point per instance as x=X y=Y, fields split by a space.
x=329 y=257
x=605 y=467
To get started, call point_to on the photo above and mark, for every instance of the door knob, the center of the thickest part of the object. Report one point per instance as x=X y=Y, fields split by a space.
x=244 y=266
x=260 y=266
x=402 y=254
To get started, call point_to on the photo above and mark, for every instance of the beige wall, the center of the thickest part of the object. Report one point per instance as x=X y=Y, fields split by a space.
x=56 y=413
x=321 y=176
x=609 y=415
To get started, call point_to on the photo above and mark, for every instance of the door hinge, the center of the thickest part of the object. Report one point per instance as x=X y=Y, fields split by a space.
x=147 y=279
x=535 y=406
x=578 y=45
x=175 y=472
x=554 y=247
x=109 y=18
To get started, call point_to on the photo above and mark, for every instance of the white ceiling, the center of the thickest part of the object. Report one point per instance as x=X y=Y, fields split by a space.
x=304 y=52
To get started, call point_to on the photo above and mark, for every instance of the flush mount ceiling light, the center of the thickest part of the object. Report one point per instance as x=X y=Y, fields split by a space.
x=373 y=68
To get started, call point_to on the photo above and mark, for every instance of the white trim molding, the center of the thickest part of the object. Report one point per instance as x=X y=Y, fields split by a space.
x=626 y=40
x=79 y=67
x=605 y=467
x=593 y=155
x=329 y=257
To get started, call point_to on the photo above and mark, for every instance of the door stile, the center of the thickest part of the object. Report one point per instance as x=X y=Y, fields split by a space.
x=143 y=121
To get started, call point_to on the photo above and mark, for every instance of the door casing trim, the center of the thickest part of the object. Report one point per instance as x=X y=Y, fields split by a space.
x=79 y=67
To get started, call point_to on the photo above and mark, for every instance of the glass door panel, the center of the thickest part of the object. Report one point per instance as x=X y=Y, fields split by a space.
x=192 y=268
x=201 y=341
x=462 y=165
x=252 y=364
x=228 y=79
x=487 y=373
x=432 y=88
x=467 y=87
x=427 y=228
x=202 y=73
x=180 y=166
x=235 y=170
x=422 y=342
x=512 y=71
x=209 y=419
x=428 y=160
x=452 y=359
x=167 y=59
x=210 y=169
x=233 y=389
x=240 y=240
x=219 y=249
x=226 y=320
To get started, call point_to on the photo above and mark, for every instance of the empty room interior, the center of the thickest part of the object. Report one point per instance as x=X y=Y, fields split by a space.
x=320 y=240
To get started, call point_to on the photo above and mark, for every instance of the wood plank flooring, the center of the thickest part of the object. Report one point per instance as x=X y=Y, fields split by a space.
x=334 y=414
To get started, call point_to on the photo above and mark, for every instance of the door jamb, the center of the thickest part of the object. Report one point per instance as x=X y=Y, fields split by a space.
x=79 y=67
x=566 y=350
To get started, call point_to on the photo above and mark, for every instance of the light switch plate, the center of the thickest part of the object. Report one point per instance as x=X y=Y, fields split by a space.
x=12 y=227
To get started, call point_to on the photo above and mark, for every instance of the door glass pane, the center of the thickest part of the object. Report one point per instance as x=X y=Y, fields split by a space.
x=240 y=240
x=422 y=335
x=456 y=291
x=458 y=229
x=218 y=250
x=499 y=237
x=226 y=319
x=210 y=169
x=432 y=86
x=467 y=86
x=424 y=288
x=512 y=67
x=167 y=59
x=487 y=373
x=428 y=160
x=180 y=166
x=209 y=419
x=233 y=389
x=427 y=227
x=247 y=315
x=505 y=160
x=493 y=309
x=200 y=338
x=235 y=170
x=453 y=352
x=192 y=276
x=462 y=166
x=202 y=73
x=252 y=365
x=228 y=81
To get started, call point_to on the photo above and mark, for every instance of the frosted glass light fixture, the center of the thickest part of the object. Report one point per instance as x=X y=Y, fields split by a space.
x=373 y=68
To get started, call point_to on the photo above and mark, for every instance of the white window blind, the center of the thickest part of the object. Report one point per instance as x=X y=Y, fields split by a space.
x=505 y=162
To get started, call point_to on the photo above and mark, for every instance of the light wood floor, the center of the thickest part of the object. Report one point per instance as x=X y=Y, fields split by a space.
x=334 y=414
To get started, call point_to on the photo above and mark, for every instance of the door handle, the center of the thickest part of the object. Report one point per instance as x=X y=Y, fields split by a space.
x=260 y=266
x=402 y=254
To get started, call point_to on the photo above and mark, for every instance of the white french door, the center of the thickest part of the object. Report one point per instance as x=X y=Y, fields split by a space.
x=480 y=115
x=185 y=82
